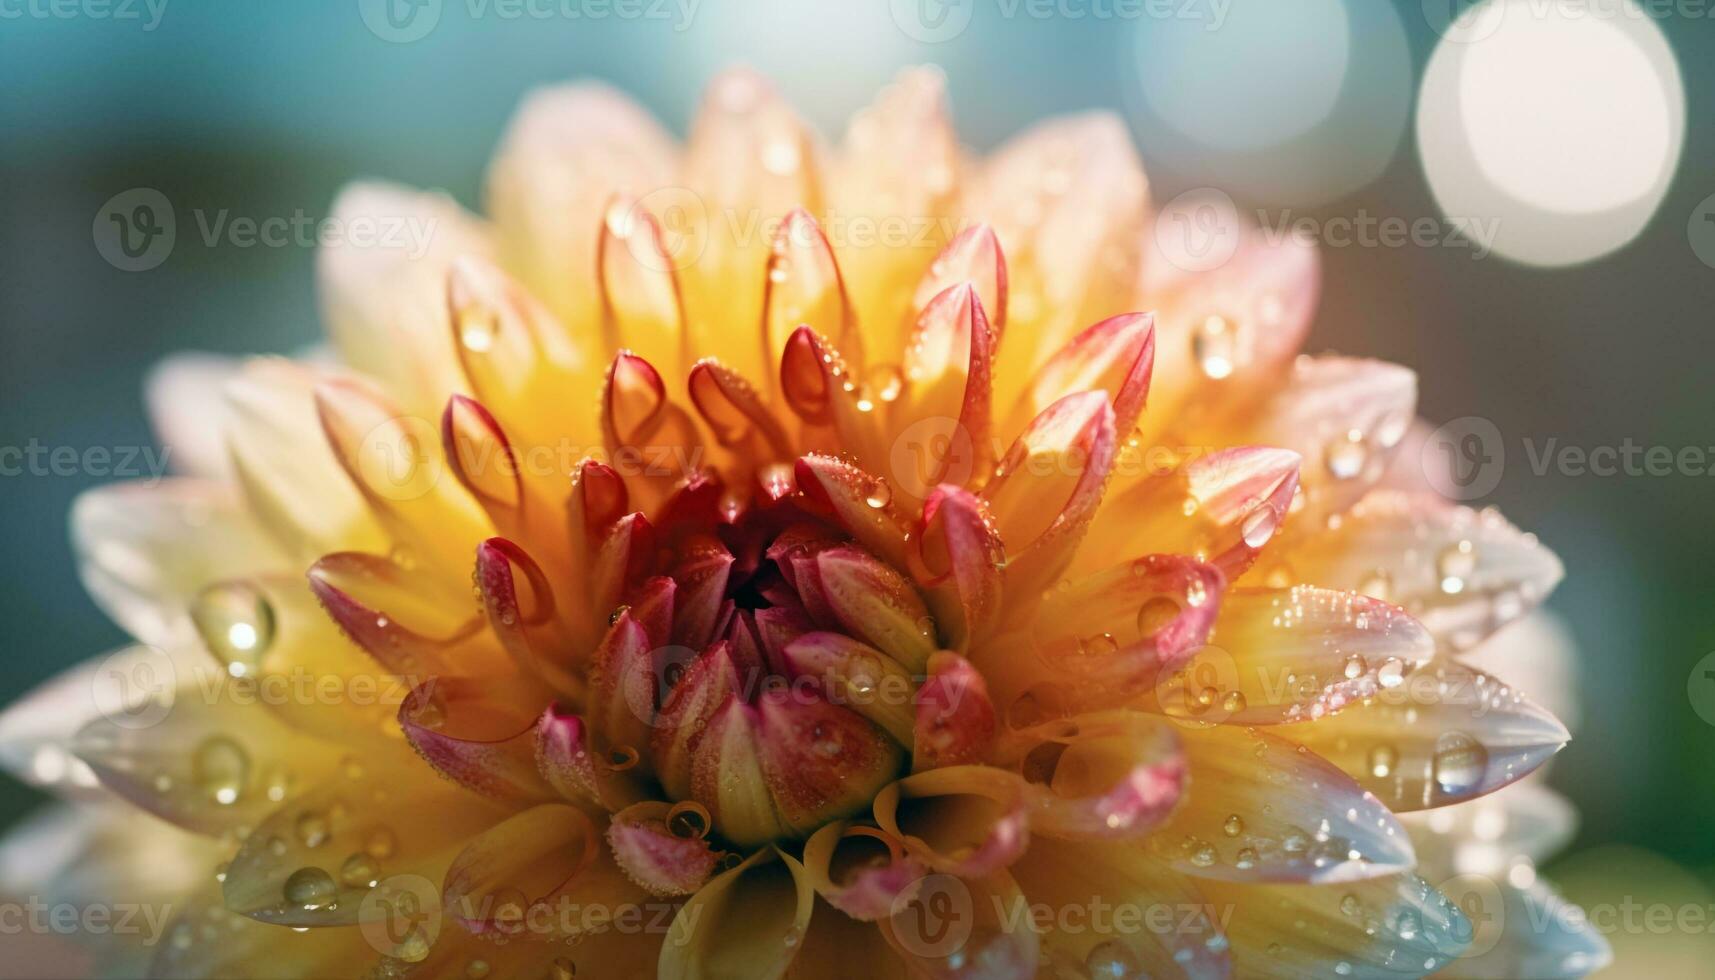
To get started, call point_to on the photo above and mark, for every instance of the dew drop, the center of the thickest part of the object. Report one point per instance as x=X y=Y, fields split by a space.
x=1214 y=344
x=1350 y=906
x=1355 y=666
x=1454 y=566
x=222 y=768
x=236 y=623
x=1382 y=759
x=880 y=495
x=887 y=382
x=359 y=871
x=1245 y=859
x=1233 y=826
x=1234 y=702
x=477 y=327
x=1460 y=762
x=310 y=888
x=380 y=844
x=1155 y=614
x=1112 y=960
x=1346 y=455
x=562 y=969
x=312 y=828
x=1391 y=673
x=1259 y=526
x=1378 y=586
x=476 y=969
x=1098 y=645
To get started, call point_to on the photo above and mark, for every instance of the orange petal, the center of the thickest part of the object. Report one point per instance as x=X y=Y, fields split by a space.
x=1224 y=507
x=962 y=820
x=820 y=388
x=858 y=502
x=748 y=922
x=1103 y=776
x=973 y=256
x=947 y=395
x=521 y=609
x=804 y=288
x=877 y=604
x=520 y=877
x=819 y=761
x=855 y=676
x=1116 y=355
x=859 y=870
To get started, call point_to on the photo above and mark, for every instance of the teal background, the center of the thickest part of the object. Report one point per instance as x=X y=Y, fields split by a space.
x=264 y=109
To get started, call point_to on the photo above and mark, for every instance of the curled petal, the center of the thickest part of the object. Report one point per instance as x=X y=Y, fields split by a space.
x=957 y=560
x=650 y=848
x=967 y=821
x=858 y=502
x=1111 y=633
x=696 y=696
x=804 y=288
x=1443 y=734
x=653 y=441
x=394 y=616
x=1464 y=573
x=381 y=300
x=748 y=922
x=566 y=152
x=819 y=761
x=641 y=303
x=955 y=718
x=860 y=870
x=480 y=734
x=1116 y=355
x=1226 y=504
x=947 y=394
x=974 y=256
x=819 y=386
x=1066 y=874
x=1285 y=655
x=394 y=460
x=1047 y=488
x=877 y=604
x=736 y=414
x=1108 y=775
x=546 y=859
x=1260 y=808
x=519 y=601
x=1377 y=928
x=580 y=772
x=855 y=676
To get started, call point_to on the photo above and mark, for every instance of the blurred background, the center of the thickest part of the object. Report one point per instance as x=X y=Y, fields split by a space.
x=1561 y=152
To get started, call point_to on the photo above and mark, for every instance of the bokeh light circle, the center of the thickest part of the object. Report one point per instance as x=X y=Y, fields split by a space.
x=1560 y=126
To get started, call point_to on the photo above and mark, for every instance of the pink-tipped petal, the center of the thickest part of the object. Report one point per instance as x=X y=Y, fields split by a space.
x=955 y=719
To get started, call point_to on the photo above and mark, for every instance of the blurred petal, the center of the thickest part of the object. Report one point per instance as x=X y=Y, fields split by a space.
x=859 y=870
x=187 y=408
x=1109 y=775
x=746 y=923
x=480 y=734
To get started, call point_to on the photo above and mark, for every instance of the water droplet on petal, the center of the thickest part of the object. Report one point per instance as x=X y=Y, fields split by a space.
x=222 y=768
x=1382 y=760
x=1112 y=960
x=310 y=888
x=1454 y=566
x=1346 y=455
x=1460 y=762
x=359 y=871
x=1259 y=526
x=236 y=623
x=1214 y=345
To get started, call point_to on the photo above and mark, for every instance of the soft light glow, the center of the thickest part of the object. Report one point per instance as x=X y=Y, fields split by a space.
x=1562 y=125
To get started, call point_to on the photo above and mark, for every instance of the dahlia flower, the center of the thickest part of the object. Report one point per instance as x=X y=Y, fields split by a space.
x=757 y=558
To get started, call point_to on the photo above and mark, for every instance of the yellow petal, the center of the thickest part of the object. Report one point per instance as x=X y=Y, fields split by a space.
x=747 y=923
